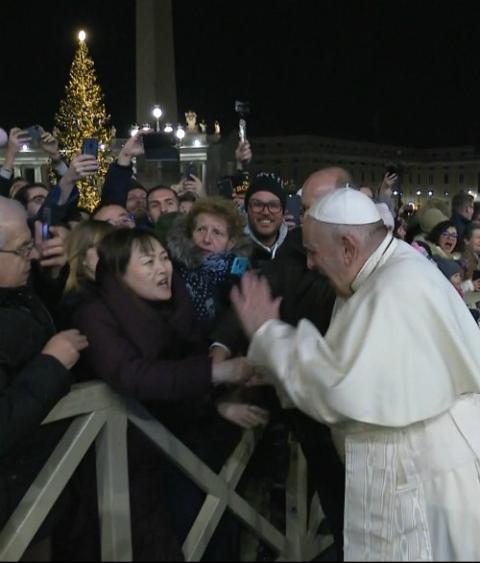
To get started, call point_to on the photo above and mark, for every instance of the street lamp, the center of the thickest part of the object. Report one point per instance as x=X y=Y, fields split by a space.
x=157 y=114
x=134 y=129
x=180 y=134
x=168 y=128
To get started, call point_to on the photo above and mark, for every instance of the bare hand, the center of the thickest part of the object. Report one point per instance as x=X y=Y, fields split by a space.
x=389 y=182
x=49 y=144
x=195 y=185
x=254 y=303
x=53 y=252
x=66 y=347
x=16 y=140
x=245 y=416
x=82 y=165
x=243 y=152
x=290 y=222
x=219 y=354
x=232 y=372
x=133 y=148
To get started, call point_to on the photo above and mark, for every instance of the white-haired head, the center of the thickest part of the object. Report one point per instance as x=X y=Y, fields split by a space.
x=11 y=213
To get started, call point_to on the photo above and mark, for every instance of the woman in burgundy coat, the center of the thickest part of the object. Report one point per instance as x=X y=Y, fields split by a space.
x=139 y=323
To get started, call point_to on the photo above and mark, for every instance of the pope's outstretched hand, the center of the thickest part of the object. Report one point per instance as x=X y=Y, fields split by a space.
x=254 y=303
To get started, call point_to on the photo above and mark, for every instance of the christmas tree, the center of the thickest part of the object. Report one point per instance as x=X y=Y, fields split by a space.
x=83 y=115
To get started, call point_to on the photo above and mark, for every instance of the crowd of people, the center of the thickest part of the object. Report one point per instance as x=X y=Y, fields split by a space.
x=138 y=293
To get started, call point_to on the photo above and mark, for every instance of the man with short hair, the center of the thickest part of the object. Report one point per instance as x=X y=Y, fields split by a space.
x=403 y=405
x=161 y=200
x=137 y=201
x=462 y=211
x=32 y=197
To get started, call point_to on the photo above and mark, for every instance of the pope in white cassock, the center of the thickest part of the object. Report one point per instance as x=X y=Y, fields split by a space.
x=396 y=377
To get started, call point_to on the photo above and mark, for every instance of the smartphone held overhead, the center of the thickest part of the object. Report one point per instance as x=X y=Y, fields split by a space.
x=34 y=132
x=90 y=147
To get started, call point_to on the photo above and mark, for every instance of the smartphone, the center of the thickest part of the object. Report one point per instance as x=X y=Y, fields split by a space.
x=90 y=146
x=225 y=188
x=160 y=146
x=189 y=172
x=46 y=222
x=240 y=266
x=35 y=134
x=294 y=208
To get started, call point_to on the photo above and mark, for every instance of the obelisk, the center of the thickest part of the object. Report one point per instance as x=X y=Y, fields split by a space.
x=156 y=80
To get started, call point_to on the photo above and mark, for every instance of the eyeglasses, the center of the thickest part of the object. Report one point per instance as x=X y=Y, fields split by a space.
x=259 y=206
x=22 y=252
x=449 y=235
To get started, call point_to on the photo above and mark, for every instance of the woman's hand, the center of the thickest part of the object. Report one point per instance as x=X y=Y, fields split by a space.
x=232 y=372
x=245 y=416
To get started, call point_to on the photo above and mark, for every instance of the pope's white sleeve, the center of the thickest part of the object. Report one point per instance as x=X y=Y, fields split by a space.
x=293 y=358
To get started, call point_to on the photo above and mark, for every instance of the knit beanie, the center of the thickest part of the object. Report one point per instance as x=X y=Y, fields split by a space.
x=447 y=267
x=265 y=182
x=430 y=218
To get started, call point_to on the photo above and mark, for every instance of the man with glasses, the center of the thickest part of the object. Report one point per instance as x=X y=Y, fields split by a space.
x=265 y=203
x=35 y=374
x=32 y=197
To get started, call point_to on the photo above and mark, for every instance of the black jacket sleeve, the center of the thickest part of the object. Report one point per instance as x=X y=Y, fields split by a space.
x=5 y=186
x=28 y=400
x=116 y=185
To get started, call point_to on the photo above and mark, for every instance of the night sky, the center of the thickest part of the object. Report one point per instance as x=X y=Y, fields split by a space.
x=403 y=72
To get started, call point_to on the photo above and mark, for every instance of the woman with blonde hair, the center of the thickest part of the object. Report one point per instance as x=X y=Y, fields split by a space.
x=82 y=257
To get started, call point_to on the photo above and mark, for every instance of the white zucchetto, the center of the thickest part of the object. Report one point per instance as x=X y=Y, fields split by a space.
x=345 y=206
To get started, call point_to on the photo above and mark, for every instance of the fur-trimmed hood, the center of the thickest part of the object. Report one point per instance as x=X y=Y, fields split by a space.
x=183 y=250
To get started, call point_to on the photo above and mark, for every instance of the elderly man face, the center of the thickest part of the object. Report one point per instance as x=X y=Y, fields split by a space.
x=16 y=246
x=329 y=255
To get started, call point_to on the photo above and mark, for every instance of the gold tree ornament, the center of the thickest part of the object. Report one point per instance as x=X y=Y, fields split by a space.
x=83 y=115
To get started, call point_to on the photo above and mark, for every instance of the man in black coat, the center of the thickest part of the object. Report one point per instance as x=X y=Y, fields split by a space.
x=34 y=366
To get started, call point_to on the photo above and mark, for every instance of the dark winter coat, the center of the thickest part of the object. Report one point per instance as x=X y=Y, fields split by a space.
x=30 y=385
x=150 y=352
x=306 y=294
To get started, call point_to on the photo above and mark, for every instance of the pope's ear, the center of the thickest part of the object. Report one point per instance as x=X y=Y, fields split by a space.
x=350 y=249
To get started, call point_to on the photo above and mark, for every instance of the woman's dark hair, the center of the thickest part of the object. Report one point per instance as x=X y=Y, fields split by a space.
x=434 y=234
x=115 y=250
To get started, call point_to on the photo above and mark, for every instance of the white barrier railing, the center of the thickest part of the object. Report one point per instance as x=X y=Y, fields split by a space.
x=101 y=416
